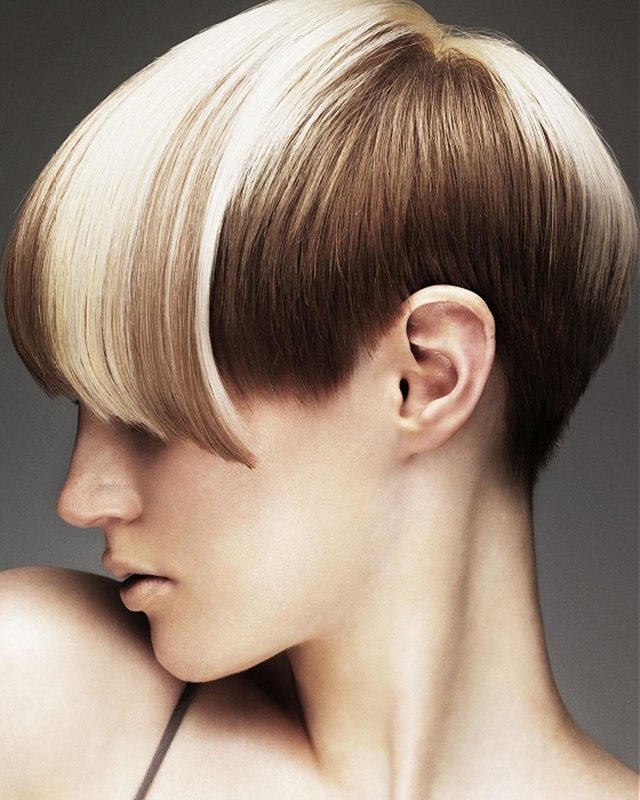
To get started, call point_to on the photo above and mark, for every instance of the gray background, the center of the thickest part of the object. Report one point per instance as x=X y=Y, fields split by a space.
x=60 y=58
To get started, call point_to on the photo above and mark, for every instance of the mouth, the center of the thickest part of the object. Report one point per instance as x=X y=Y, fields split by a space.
x=123 y=570
x=132 y=577
x=137 y=591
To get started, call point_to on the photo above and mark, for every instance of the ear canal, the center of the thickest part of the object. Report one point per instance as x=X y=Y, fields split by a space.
x=404 y=388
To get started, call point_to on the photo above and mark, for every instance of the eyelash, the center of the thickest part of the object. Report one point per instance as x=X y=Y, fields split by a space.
x=133 y=429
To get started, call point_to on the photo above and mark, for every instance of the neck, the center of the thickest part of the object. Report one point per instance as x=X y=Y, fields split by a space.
x=438 y=679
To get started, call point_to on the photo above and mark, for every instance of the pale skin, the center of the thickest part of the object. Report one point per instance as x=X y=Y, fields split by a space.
x=374 y=559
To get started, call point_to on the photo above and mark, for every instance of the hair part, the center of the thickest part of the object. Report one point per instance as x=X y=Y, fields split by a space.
x=247 y=214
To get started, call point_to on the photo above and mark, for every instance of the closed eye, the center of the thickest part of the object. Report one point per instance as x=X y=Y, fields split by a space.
x=137 y=431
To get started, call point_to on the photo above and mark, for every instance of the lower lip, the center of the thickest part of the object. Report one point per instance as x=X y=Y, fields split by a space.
x=138 y=591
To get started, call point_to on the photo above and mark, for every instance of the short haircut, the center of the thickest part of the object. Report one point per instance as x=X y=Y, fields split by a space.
x=248 y=213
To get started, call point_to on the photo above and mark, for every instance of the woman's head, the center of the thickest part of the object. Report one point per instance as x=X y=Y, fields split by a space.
x=245 y=217
x=354 y=504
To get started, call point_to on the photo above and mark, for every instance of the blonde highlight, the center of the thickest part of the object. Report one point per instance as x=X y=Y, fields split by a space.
x=315 y=164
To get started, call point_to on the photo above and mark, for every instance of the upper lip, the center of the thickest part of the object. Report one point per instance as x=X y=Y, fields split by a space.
x=122 y=569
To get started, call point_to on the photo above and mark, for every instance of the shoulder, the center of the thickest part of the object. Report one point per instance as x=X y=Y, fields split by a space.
x=603 y=775
x=72 y=619
x=584 y=768
x=77 y=670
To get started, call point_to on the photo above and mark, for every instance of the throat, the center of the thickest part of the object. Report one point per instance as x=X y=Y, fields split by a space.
x=274 y=677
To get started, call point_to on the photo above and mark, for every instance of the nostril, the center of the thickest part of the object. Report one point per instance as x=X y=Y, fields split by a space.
x=85 y=506
x=97 y=506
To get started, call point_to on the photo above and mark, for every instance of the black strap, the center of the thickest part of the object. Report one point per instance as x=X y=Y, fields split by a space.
x=167 y=737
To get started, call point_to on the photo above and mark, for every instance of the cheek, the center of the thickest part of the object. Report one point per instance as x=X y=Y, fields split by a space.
x=271 y=578
x=263 y=561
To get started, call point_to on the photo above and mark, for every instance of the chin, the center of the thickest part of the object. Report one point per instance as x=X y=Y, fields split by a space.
x=187 y=662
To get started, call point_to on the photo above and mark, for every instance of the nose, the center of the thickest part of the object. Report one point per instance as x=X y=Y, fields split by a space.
x=100 y=487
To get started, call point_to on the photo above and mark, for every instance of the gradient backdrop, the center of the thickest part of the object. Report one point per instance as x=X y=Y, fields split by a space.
x=59 y=59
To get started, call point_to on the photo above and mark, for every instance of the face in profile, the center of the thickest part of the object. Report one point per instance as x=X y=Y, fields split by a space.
x=250 y=211
x=259 y=559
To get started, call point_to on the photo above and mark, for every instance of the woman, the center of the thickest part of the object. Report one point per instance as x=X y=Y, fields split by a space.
x=326 y=281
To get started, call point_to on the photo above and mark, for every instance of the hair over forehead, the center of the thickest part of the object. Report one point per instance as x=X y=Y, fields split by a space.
x=247 y=213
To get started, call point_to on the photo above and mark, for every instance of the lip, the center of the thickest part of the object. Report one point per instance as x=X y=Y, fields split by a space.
x=137 y=592
x=121 y=570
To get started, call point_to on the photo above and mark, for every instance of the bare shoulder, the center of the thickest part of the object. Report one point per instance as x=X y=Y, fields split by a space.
x=78 y=668
x=606 y=776
x=74 y=620
x=595 y=773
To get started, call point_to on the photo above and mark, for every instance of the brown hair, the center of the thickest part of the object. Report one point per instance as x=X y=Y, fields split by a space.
x=249 y=211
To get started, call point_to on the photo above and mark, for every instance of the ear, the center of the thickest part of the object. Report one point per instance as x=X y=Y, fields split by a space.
x=445 y=349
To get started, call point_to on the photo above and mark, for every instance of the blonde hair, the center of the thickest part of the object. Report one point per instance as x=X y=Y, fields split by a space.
x=248 y=212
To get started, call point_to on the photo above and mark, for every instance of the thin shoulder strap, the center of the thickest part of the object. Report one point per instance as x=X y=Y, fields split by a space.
x=167 y=737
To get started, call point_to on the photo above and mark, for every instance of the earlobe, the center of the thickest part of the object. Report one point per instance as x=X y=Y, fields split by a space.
x=449 y=344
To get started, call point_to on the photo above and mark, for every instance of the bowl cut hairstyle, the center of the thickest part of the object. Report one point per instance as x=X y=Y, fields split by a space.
x=248 y=212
